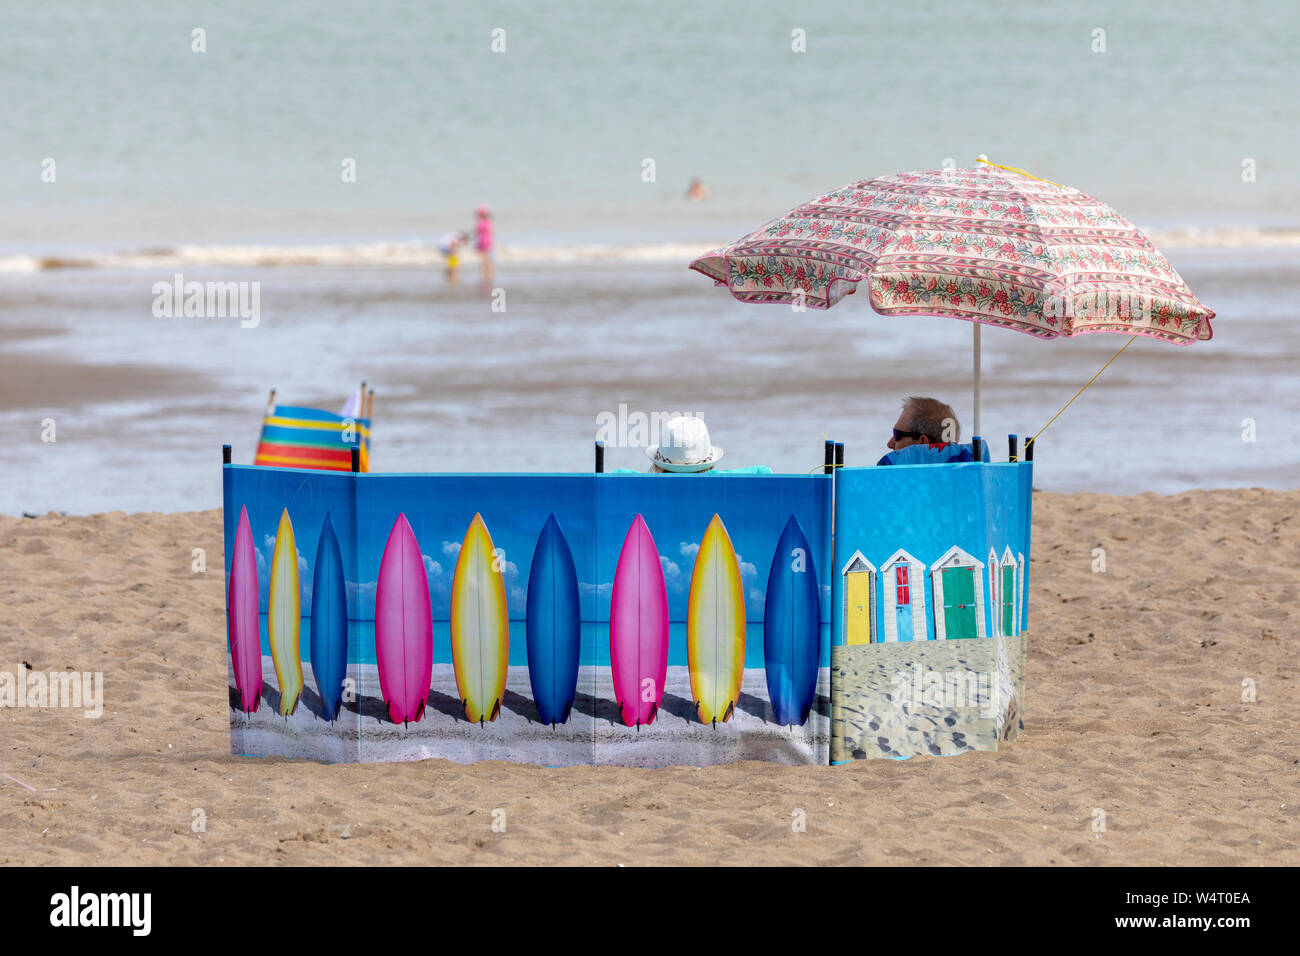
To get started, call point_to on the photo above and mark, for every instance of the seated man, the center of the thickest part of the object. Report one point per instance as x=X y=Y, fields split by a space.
x=927 y=432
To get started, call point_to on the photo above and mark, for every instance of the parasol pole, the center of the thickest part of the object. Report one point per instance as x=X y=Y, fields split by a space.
x=975 y=339
x=975 y=363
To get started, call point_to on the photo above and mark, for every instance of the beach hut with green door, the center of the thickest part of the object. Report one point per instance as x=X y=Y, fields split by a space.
x=1008 y=596
x=957 y=580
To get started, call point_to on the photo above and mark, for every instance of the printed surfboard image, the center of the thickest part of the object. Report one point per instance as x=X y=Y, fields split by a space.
x=715 y=627
x=403 y=626
x=638 y=628
x=554 y=625
x=241 y=618
x=284 y=618
x=480 y=626
x=329 y=622
x=792 y=628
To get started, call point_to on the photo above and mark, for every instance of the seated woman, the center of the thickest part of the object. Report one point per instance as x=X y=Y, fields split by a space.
x=927 y=432
x=685 y=449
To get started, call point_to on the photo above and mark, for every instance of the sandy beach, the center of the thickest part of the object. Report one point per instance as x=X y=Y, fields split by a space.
x=1133 y=707
x=536 y=236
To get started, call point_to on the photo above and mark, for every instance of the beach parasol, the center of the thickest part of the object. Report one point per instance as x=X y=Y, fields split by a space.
x=990 y=244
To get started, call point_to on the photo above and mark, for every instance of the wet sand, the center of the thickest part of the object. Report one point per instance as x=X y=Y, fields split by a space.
x=145 y=403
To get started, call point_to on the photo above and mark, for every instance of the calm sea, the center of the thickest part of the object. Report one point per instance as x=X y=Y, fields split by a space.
x=581 y=130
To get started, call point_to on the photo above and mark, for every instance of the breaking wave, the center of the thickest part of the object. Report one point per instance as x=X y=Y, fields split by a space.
x=426 y=255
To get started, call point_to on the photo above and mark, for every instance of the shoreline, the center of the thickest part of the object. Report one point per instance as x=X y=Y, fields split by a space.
x=424 y=253
x=143 y=403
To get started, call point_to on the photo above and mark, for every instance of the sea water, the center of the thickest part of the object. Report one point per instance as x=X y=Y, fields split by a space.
x=131 y=157
x=463 y=388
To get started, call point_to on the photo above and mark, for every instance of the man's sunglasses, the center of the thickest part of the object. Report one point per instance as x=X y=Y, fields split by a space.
x=915 y=436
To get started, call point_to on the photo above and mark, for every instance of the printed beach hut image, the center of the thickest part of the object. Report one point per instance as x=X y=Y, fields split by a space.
x=957 y=580
x=904 y=598
x=1008 y=594
x=1021 y=599
x=994 y=581
x=897 y=692
x=859 y=600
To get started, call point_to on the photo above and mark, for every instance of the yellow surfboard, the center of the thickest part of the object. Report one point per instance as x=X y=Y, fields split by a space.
x=715 y=626
x=283 y=617
x=480 y=625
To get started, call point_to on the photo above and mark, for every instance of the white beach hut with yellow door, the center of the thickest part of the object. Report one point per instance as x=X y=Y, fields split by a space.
x=859 y=600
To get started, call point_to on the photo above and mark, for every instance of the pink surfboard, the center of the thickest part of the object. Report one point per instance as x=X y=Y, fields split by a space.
x=403 y=626
x=241 y=618
x=638 y=628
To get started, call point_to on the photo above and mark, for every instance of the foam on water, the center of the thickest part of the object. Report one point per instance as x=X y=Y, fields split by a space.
x=419 y=254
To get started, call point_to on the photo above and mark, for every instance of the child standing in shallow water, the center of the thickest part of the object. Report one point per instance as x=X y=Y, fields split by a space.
x=483 y=239
x=449 y=245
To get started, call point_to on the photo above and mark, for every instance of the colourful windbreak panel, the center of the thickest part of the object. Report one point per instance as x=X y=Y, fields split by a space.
x=295 y=437
x=637 y=620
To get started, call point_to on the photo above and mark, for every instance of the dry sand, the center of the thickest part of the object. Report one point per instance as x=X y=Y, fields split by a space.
x=1133 y=707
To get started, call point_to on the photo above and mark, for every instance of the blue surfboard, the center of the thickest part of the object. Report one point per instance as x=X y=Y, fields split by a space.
x=554 y=625
x=791 y=627
x=329 y=622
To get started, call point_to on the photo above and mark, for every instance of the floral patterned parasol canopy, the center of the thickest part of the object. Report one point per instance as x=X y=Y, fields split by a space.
x=989 y=244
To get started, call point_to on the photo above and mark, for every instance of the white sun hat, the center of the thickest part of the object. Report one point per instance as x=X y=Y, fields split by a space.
x=684 y=446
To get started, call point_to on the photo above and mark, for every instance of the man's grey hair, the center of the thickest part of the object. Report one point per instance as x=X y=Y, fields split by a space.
x=932 y=418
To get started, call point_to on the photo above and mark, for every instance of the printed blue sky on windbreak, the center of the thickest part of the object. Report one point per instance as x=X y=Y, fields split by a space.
x=515 y=508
